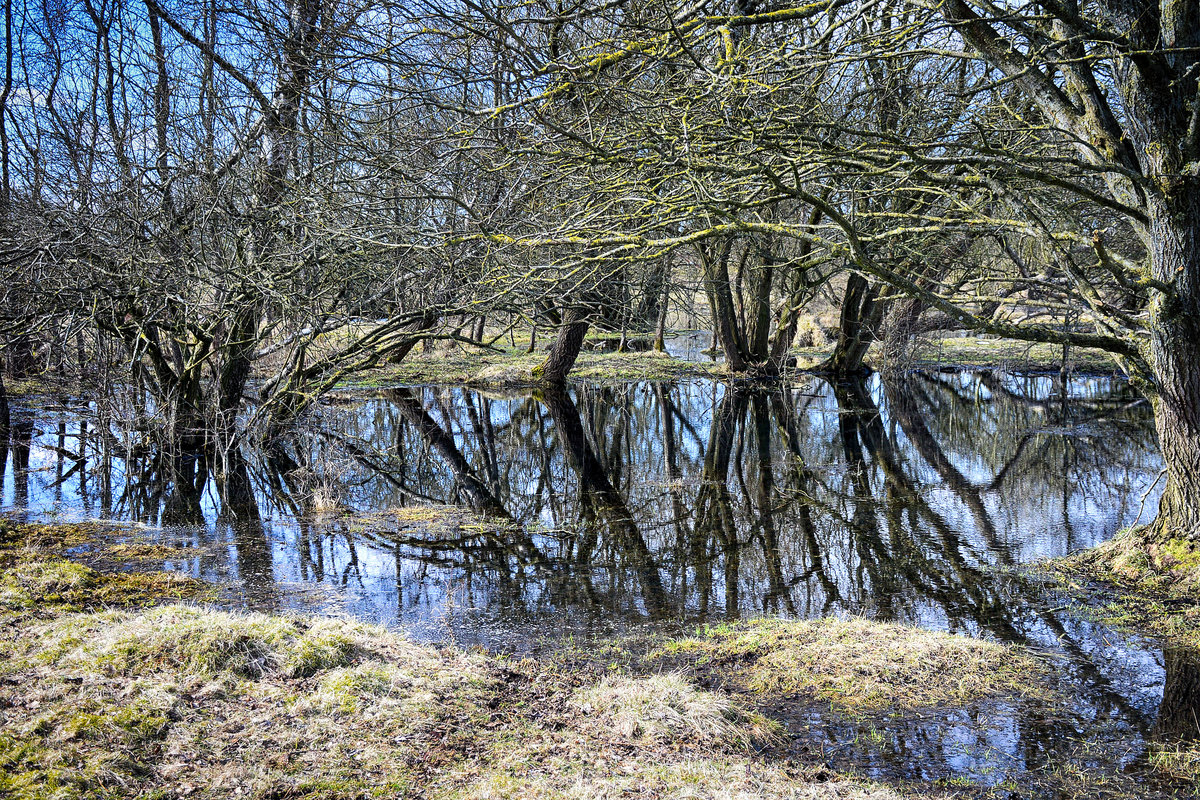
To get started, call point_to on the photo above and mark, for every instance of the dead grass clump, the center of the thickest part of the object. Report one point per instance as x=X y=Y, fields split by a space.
x=862 y=666
x=147 y=551
x=810 y=333
x=193 y=641
x=668 y=707
x=503 y=375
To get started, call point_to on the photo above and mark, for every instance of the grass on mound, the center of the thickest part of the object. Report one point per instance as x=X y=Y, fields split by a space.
x=860 y=666
x=1158 y=583
x=190 y=640
x=668 y=707
x=1139 y=559
x=185 y=701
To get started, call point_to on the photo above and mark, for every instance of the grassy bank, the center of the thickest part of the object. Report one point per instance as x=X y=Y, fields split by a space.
x=1140 y=582
x=513 y=366
x=111 y=688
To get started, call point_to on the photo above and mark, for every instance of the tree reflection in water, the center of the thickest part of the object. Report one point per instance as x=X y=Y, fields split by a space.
x=695 y=500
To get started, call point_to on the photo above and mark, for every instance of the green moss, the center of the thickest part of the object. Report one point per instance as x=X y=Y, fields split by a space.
x=970 y=351
x=131 y=724
x=47 y=538
x=1157 y=583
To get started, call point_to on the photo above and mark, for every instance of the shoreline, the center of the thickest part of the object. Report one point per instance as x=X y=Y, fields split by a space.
x=107 y=690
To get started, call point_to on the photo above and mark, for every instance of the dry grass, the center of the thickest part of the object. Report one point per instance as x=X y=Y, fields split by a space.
x=555 y=768
x=669 y=708
x=860 y=666
x=148 y=551
x=203 y=703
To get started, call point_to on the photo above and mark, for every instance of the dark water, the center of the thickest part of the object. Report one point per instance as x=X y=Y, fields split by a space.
x=912 y=499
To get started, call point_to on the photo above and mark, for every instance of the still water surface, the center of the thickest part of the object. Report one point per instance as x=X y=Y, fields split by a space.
x=911 y=499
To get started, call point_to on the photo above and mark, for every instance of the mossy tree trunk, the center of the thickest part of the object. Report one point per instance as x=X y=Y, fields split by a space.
x=566 y=347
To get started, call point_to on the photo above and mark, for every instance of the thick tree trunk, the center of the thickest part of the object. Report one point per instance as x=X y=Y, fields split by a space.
x=565 y=350
x=856 y=330
x=758 y=313
x=1175 y=358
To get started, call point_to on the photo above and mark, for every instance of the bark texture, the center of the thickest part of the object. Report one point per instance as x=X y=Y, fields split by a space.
x=566 y=347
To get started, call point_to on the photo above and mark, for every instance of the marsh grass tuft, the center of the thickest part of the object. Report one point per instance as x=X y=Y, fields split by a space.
x=861 y=666
x=190 y=640
x=669 y=707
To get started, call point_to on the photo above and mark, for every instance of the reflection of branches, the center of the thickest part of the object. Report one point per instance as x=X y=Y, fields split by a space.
x=440 y=442
x=904 y=411
x=600 y=497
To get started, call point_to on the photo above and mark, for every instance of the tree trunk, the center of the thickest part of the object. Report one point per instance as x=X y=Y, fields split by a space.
x=565 y=350
x=758 y=313
x=725 y=326
x=4 y=417
x=1175 y=358
x=856 y=329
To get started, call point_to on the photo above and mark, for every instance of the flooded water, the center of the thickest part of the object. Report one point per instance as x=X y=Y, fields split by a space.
x=910 y=499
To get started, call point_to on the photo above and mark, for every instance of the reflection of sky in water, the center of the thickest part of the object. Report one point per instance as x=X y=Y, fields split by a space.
x=825 y=506
x=897 y=502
